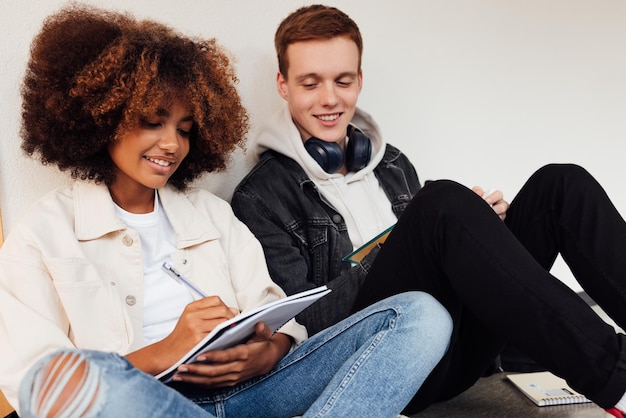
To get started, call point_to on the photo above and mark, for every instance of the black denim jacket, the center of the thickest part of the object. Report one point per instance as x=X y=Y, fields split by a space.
x=305 y=238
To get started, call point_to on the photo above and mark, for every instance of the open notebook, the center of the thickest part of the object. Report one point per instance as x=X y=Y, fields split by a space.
x=238 y=329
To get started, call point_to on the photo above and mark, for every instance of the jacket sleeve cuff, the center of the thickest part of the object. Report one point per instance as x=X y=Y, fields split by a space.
x=296 y=331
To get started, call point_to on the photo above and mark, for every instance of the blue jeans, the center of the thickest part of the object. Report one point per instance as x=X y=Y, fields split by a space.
x=370 y=364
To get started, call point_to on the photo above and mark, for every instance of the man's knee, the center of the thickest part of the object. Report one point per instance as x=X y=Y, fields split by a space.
x=444 y=196
x=561 y=172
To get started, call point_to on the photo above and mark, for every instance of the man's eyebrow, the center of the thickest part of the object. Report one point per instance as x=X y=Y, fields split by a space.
x=351 y=74
x=303 y=77
x=315 y=76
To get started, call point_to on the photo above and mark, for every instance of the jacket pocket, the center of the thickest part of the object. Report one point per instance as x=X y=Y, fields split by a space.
x=92 y=305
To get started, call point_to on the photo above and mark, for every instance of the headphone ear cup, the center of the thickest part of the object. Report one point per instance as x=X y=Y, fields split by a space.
x=358 y=150
x=327 y=154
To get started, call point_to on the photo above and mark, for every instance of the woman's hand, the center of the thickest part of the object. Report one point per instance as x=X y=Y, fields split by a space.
x=495 y=199
x=198 y=319
x=223 y=368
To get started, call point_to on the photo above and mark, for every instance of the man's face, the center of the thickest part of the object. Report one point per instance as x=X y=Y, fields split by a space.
x=322 y=87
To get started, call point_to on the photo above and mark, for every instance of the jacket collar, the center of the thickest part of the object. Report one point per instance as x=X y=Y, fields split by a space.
x=191 y=226
x=94 y=212
x=95 y=215
x=391 y=155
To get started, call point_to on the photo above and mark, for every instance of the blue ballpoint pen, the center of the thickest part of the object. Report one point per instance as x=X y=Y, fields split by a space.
x=175 y=274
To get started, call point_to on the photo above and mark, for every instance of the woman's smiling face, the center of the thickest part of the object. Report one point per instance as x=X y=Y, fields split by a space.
x=147 y=155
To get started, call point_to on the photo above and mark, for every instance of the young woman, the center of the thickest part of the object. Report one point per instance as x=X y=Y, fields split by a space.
x=135 y=111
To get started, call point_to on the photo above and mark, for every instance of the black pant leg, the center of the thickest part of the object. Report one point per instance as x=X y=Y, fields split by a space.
x=563 y=209
x=412 y=259
x=452 y=245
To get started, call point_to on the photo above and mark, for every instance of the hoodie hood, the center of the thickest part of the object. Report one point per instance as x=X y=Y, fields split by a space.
x=357 y=196
x=282 y=135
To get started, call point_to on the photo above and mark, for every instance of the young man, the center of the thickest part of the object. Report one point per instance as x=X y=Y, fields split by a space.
x=310 y=207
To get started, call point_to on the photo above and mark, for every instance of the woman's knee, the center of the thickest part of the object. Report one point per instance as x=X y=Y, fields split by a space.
x=431 y=316
x=432 y=308
x=64 y=384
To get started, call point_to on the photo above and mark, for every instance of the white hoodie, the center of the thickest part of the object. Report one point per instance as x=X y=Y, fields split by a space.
x=357 y=196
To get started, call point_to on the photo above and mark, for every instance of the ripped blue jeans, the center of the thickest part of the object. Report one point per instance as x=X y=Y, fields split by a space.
x=370 y=364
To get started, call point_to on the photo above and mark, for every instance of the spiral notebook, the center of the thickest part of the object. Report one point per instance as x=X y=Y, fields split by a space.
x=546 y=389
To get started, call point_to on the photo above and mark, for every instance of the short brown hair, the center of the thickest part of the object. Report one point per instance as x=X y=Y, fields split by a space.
x=93 y=74
x=311 y=23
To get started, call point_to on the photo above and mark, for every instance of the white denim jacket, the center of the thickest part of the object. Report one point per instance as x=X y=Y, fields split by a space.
x=71 y=273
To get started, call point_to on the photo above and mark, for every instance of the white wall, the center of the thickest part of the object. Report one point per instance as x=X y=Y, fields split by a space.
x=480 y=91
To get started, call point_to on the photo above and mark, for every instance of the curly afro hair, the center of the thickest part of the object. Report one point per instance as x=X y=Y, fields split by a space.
x=93 y=74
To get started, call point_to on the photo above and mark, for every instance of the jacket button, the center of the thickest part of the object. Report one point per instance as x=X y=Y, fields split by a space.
x=130 y=300
x=337 y=218
x=127 y=240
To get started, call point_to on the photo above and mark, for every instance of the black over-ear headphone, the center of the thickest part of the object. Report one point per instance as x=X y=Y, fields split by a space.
x=330 y=156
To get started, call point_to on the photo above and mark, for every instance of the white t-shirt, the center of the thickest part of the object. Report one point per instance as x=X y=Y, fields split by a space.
x=164 y=297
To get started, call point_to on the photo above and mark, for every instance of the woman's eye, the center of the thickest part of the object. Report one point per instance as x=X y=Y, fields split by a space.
x=184 y=129
x=149 y=124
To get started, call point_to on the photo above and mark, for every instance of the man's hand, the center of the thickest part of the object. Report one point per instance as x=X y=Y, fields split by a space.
x=495 y=199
